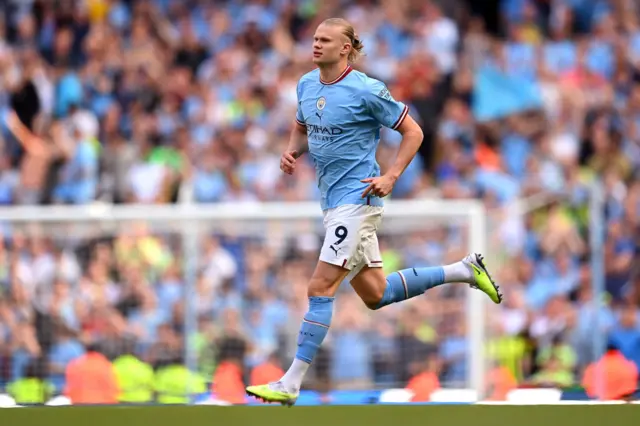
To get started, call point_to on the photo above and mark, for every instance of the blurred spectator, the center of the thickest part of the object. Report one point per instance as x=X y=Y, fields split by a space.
x=618 y=380
x=135 y=377
x=626 y=334
x=79 y=176
x=425 y=379
x=453 y=352
x=25 y=351
x=411 y=346
x=350 y=344
x=65 y=349
x=508 y=351
x=500 y=381
x=91 y=379
x=175 y=384
x=33 y=388
x=166 y=347
x=228 y=383
x=553 y=374
x=560 y=357
x=267 y=372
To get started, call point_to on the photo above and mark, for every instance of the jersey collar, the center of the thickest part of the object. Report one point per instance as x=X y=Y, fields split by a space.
x=344 y=73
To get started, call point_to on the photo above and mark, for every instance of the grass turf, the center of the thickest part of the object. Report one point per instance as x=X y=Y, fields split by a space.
x=371 y=415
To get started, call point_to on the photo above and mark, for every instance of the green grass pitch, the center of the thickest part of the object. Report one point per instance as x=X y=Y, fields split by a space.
x=371 y=415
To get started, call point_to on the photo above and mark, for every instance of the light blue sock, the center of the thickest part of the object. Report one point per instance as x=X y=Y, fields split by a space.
x=408 y=283
x=315 y=326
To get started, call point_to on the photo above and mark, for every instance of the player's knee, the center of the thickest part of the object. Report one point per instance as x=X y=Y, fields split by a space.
x=373 y=297
x=373 y=302
x=370 y=285
x=374 y=306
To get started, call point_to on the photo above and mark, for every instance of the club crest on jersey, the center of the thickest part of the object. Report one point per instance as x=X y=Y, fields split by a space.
x=321 y=103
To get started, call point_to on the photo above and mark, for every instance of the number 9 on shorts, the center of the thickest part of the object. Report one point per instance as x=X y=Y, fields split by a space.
x=350 y=239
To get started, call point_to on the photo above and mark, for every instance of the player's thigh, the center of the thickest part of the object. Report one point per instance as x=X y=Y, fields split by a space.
x=370 y=284
x=340 y=250
x=368 y=278
x=342 y=236
x=340 y=242
x=369 y=281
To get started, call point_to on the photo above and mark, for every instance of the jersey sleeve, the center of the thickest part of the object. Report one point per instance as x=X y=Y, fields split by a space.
x=381 y=105
x=299 y=116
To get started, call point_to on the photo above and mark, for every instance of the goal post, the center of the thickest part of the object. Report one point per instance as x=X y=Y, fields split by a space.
x=190 y=221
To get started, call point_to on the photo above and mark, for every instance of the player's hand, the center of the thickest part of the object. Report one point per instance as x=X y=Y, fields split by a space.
x=288 y=162
x=379 y=186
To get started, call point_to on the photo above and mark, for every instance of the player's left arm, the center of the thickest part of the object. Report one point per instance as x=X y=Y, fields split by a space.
x=411 y=140
x=394 y=115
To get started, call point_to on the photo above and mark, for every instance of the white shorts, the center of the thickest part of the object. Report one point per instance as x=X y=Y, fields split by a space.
x=350 y=240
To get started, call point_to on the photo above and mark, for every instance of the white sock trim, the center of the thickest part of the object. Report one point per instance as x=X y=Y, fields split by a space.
x=292 y=379
x=458 y=272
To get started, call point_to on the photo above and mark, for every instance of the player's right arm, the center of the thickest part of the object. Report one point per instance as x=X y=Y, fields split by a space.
x=298 y=143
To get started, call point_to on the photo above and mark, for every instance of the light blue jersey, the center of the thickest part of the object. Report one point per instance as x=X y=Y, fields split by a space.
x=343 y=120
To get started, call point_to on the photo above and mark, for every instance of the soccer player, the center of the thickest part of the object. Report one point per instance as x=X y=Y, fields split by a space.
x=340 y=112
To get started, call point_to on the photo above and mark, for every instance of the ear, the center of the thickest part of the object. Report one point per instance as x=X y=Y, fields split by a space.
x=346 y=48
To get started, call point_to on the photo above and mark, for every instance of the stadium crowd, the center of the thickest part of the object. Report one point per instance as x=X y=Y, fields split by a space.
x=180 y=101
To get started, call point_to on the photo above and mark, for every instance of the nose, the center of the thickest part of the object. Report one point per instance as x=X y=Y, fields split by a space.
x=316 y=45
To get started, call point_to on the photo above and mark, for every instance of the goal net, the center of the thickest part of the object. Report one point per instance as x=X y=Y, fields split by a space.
x=221 y=289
